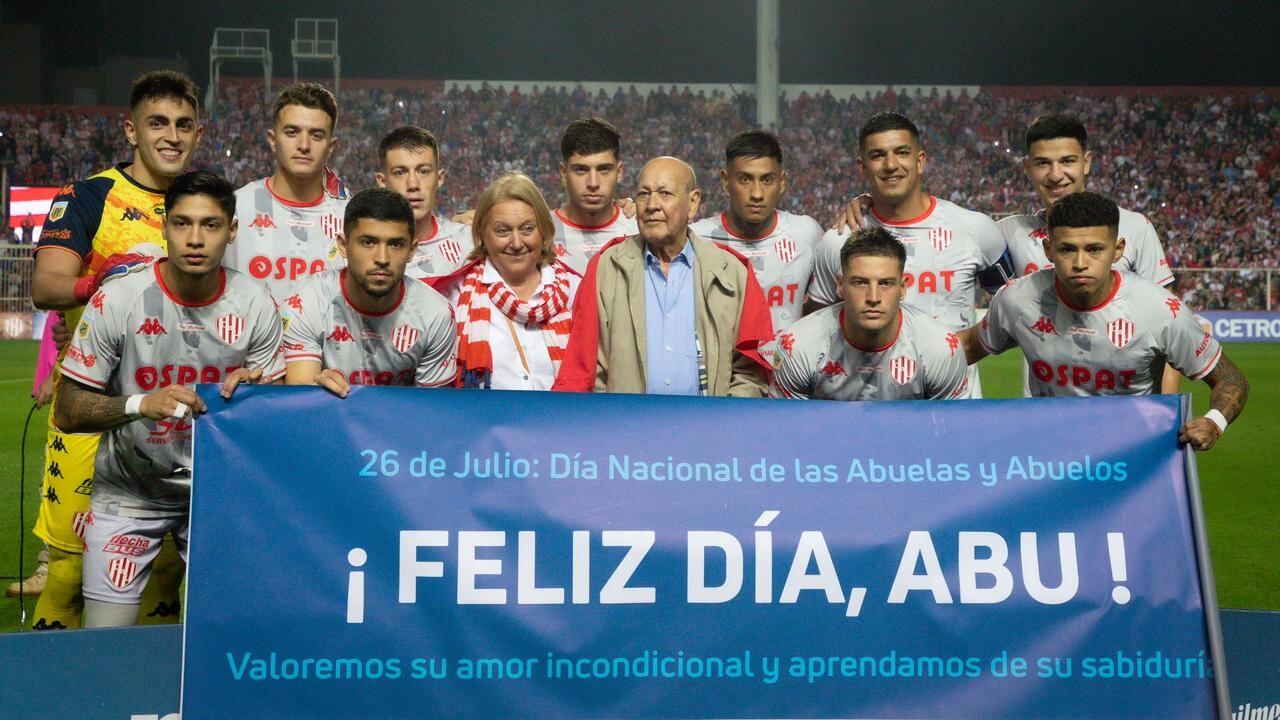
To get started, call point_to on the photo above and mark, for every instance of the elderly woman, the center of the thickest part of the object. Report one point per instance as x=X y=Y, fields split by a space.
x=513 y=301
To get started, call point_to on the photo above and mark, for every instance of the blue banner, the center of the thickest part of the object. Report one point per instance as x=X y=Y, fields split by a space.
x=1248 y=326
x=485 y=554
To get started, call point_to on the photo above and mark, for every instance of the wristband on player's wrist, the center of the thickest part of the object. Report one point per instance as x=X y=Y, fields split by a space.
x=84 y=288
x=1218 y=419
x=133 y=406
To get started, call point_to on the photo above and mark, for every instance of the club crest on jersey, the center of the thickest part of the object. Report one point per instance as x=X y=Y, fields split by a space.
x=404 y=337
x=263 y=222
x=294 y=301
x=1120 y=332
x=83 y=330
x=1174 y=305
x=331 y=225
x=786 y=249
x=57 y=211
x=340 y=334
x=96 y=301
x=122 y=571
x=903 y=369
x=230 y=327
x=940 y=238
x=151 y=326
x=833 y=369
x=1044 y=326
x=451 y=250
x=78 y=524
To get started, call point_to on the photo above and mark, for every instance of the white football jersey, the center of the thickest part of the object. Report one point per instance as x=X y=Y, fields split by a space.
x=444 y=251
x=1143 y=253
x=413 y=343
x=782 y=260
x=135 y=337
x=815 y=360
x=577 y=244
x=1110 y=349
x=946 y=247
x=280 y=241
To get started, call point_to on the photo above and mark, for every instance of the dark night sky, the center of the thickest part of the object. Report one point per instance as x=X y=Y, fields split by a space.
x=858 y=41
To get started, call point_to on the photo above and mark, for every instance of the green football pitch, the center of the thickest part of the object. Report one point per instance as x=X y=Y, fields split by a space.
x=1240 y=479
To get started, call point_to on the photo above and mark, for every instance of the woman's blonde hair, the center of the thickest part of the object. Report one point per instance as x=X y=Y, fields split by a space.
x=514 y=186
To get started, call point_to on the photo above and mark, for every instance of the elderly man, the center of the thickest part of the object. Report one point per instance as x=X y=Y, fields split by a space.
x=666 y=312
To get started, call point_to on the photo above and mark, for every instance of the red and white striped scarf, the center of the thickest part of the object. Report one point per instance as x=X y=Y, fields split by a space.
x=549 y=309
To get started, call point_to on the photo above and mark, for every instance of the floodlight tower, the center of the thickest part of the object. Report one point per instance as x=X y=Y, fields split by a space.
x=238 y=44
x=316 y=39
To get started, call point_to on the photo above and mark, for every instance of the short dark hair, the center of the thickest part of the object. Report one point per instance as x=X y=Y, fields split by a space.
x=872 y=242
x=163 y=85
x=1084 y=210
x=408 y=137
x=752 y=144
x=589 y=136
x=308 y=95
x=1055 y=125
x=884 y=122
x=378 y=204
x=201 y=182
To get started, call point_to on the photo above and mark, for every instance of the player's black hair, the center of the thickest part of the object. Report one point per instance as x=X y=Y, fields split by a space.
x=1055 y=125
x=589 y=136
x=308 y=95
x=752 y=144
x=201 y=182
x=1083 y=210
x=873 y=242
x=408 y=137
x=163 y=85
x=884 y=122
x=378 y=204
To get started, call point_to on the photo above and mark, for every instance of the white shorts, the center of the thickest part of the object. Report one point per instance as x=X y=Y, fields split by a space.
x=119 y=552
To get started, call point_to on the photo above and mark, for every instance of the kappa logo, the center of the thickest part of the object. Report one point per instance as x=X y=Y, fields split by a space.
x=262 y=221
x=833 y=369
x=164 y=609
x=57 y=445
x=151 y=326
x=294 y=301
x=67 y=191
x=1174 y=305
x=134 y=214
x=52 y=496
x=1040 y=234
x=1045 y=326
x=96 y=301
x=43 y=624
x=340 y=334
x=122 y=571
x=953 y=342
x=54 y=470
x=1120 y=332
x=903 y=369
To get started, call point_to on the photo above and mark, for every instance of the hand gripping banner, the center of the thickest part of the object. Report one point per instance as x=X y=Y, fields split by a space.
x=417 y=553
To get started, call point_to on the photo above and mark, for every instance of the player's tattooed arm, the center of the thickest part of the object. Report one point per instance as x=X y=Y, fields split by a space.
x=80 y=408
x=1229 y=388
x=1227 y=396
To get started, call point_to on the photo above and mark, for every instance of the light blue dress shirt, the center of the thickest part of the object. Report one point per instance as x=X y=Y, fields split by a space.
x=669 y=309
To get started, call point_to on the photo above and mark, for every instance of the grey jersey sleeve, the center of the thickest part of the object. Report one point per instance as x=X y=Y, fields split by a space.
x=946 y=371
x=301 y=317
x=264 y=350
x=438 y=365
x=97 y=344
x=992 y=330
x=793 y=373
x=1148 y=257
x=1188 y=347
x=826 y=268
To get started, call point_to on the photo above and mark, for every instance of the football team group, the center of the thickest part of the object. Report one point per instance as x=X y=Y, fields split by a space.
x=166 y=278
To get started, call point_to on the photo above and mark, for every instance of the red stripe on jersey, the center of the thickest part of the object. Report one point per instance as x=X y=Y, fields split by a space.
x=1208 y=368
x=724 y=222
x=1115 y=288
x=569 y=223
x=80 y=378
x=222 y=286
x=294 y=203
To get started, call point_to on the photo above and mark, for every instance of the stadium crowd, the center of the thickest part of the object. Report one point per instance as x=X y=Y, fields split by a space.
x=1204 y=168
